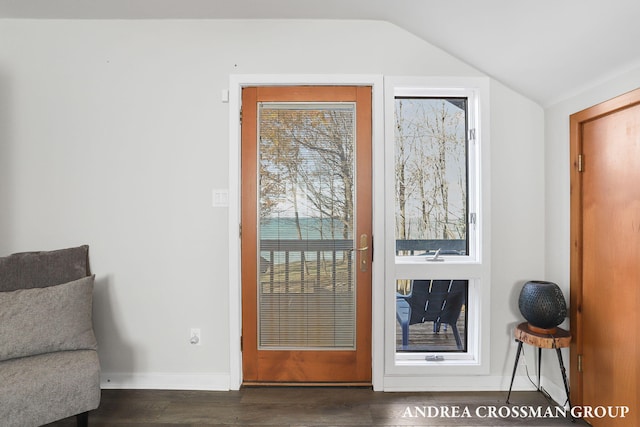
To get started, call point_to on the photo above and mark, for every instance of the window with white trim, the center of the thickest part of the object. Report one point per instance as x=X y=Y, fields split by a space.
x=438 y=271
x=435 y=173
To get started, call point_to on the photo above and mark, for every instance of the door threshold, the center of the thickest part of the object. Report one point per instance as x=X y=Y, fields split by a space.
x=250 y=384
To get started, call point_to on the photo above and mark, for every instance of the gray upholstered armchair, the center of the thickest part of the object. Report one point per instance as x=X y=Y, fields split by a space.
x=49 y=368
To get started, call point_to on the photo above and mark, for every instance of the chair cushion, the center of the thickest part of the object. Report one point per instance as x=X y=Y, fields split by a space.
x=43 y=320
x=45 y=268
x=41 y=389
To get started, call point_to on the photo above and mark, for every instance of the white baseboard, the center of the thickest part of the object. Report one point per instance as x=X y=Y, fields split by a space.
x=160 y=381
x=456 y=383
x=221 y=382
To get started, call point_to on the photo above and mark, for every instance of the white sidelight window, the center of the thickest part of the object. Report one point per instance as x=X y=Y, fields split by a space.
x=438 y=269
x=434 y=152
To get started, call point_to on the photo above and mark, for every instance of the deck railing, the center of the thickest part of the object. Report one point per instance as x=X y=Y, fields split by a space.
x=314 y=263
x=305 y=264
x=420 y=247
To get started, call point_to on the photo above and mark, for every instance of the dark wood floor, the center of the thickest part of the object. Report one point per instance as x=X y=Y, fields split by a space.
x=309 y=406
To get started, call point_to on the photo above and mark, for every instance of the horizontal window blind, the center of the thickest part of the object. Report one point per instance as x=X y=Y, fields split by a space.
x=306 y=289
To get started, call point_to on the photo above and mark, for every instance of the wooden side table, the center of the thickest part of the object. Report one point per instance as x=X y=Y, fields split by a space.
x=560 y=339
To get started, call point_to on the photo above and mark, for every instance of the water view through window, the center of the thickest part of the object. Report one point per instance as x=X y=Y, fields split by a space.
x=431 y=219
x=431 y=172
x=306 y=292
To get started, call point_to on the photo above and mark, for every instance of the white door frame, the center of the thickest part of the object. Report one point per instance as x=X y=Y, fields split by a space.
x=236 y=83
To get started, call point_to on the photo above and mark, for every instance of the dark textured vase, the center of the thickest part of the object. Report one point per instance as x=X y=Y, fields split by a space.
x=543 y=305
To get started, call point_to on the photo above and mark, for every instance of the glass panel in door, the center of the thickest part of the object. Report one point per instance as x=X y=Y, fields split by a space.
x=306 y=292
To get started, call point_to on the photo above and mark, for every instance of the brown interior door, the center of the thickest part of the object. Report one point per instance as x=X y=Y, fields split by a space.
x=606 y=258
x=306 y=234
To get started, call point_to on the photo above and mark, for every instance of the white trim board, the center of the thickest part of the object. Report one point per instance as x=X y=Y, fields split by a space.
x=456 y=383
x=163 y=381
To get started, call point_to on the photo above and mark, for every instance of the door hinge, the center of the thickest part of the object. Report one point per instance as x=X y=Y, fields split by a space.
x=579 y=363
x=580 y=163
x=240 y=115
x=241 y=343
x=240 y=231
x=472 y=134
x=472 y=218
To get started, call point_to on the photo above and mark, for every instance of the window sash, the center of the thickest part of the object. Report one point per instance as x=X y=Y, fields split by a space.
x=473 y=177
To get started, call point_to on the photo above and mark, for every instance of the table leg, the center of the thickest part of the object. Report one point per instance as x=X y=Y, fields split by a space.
x=539 y=365
x=515 y=367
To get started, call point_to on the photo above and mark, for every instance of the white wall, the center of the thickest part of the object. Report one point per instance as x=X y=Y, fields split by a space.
x=517 y=209
x=557 y=181
x=113 y=134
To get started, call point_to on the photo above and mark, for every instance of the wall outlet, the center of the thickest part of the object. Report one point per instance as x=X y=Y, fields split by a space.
x=195 y=337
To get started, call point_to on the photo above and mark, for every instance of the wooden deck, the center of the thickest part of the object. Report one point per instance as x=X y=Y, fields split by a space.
x=422 y=337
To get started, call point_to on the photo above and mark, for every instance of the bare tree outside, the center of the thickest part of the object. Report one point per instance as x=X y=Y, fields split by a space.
x=431 y=211
x=306 y=168
x=306 y=211
x=430 y=168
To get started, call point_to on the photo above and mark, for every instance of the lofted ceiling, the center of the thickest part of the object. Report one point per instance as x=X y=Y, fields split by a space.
x=547 y=50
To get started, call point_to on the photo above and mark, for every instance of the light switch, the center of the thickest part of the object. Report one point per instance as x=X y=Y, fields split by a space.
x=220 y=198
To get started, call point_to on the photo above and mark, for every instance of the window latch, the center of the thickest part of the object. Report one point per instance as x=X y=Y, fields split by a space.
x=436 y=257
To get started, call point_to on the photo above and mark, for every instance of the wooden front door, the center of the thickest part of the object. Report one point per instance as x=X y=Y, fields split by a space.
x=605 y=259
x=306 y=234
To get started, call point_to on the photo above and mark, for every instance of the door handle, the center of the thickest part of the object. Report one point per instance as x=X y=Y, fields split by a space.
x=364 y=252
